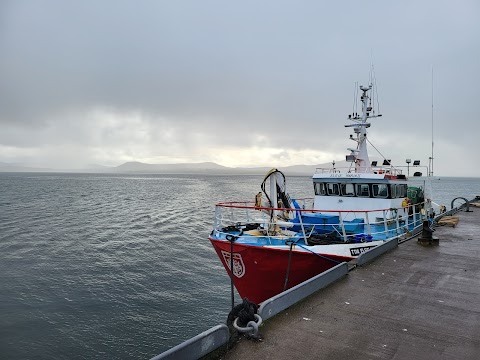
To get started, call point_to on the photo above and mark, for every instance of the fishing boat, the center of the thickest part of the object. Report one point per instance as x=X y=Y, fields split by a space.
x=275 y=242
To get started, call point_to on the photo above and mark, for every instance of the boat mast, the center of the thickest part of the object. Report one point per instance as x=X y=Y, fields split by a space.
x=360 y=154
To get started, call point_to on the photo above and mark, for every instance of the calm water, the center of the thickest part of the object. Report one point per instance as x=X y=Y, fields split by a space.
x=119 y=266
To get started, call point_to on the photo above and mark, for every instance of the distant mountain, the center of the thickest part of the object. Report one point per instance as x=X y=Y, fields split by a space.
x=6 y=167
x=97 y=167
x=210 y=168
x=207 y=168
x=135 y=166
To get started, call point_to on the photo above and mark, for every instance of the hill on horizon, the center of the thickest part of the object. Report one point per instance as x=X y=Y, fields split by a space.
x=206 y=168
x=178 y=168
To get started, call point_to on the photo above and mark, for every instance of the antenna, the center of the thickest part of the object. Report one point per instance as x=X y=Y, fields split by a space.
x=431 y=169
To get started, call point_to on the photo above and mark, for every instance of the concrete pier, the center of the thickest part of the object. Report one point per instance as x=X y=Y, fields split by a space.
x=415 y=302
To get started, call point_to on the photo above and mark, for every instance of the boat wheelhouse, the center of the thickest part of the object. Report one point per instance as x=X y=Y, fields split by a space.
x=345 y=191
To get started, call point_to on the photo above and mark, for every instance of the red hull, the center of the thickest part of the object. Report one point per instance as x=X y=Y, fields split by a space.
x=259 y=273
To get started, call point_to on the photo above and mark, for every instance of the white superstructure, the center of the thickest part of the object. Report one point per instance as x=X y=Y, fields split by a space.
x=363 y=185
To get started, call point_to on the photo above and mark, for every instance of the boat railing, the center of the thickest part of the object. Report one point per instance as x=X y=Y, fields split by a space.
x=347 y=225
x=387 y=170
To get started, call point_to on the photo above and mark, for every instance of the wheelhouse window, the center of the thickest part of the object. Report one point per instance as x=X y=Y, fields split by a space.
x=401 y=190
x=380 y=190
x=332 y=189
x=393 y=191
x=362 y=190
x=366 y=190
x=347 y=189
x=319 y=188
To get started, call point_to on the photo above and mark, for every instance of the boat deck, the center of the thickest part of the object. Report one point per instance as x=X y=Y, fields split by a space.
x=414 y=302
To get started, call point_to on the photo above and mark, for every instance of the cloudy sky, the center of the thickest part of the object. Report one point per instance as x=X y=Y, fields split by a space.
x=240 y=83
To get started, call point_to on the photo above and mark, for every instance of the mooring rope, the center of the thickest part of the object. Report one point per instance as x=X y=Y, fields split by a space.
x=288 y=265
x=313 y=252
x=232 y=239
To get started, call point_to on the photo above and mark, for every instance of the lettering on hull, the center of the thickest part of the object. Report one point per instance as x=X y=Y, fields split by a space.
x=345 y=175
x=357 y=251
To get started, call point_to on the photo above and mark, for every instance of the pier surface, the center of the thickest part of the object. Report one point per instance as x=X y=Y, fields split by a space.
x=415 y=302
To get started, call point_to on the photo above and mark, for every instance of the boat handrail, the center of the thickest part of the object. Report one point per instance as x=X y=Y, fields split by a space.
x=243 y=205
x=390 y=225
x=386 y=170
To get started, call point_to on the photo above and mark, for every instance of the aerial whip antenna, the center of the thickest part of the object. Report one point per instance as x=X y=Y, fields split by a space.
x=431 y=158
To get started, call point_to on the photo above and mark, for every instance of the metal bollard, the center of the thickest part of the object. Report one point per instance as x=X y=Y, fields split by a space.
x=427 y=238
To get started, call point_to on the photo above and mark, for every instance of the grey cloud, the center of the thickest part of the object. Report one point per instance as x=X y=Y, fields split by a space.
x=229 y=73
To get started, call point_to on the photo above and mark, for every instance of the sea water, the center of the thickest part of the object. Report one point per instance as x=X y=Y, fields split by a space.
x=96 y=266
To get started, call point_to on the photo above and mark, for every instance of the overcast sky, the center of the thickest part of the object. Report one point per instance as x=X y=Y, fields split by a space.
x=240 y=83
